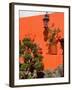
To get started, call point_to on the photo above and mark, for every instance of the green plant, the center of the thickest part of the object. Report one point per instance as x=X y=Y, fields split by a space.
x=31 y=53
x=48 y=73
x=58 y=72
x=27 y=56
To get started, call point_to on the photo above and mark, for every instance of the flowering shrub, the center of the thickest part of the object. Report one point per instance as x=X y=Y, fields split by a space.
x=32 y=65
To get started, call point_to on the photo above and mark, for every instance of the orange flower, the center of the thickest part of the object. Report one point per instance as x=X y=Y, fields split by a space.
x=21 y=60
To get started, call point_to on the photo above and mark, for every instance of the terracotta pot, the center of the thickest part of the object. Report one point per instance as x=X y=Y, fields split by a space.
x=52 y=49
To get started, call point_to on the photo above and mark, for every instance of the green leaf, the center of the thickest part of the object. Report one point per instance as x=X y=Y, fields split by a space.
x=39 y=56
x=38 y=66
x=24 y=66
x=26 y=39
x=27 y=56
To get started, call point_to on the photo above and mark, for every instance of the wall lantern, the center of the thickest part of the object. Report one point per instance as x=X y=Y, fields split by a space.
x=45 y=21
